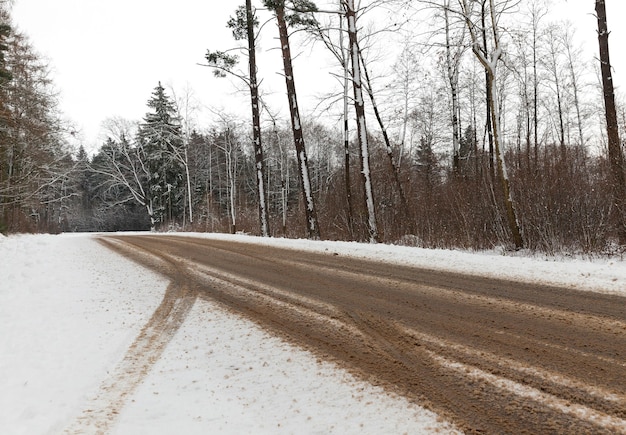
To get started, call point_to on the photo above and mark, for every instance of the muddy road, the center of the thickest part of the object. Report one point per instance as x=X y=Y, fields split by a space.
x=491 y=356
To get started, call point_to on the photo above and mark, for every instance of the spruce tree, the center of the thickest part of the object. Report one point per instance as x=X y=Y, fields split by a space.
x=160 y=136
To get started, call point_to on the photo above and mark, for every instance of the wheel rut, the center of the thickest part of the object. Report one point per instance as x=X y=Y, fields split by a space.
x=491 y=356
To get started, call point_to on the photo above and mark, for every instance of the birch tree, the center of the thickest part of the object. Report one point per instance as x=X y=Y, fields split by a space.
x=453 y=60
x=341 y=53
x=359 y=107
x=489 y=58
x=184 y=108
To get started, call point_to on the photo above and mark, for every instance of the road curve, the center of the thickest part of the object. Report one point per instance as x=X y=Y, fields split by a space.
x=491 y=356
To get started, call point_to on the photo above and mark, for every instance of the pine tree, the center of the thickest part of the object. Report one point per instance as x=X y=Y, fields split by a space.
x=160 y=136
x=616 y=158
x=296 y=13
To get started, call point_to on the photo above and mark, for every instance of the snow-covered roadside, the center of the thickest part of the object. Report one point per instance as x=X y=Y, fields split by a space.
x=225 y=375
x=599 y=275
x=70 y=308
x=67 y=314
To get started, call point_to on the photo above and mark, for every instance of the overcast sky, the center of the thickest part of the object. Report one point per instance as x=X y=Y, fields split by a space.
x=107 y=56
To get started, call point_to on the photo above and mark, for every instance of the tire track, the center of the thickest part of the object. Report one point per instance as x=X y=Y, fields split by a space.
x=491 y=356
x=102 y=410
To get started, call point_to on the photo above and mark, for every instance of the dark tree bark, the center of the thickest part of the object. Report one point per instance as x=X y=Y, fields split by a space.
x=313 y=230
x=256 y=124
x=616 y=158
x=346 y=129
x=488 y=97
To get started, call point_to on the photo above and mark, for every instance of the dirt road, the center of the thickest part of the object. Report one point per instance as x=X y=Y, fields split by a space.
x=491 y=356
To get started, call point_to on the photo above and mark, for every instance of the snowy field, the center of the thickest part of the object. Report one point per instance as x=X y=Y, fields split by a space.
x=70 y=309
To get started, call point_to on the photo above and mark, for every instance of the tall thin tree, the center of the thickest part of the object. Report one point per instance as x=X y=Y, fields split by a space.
x=359 y=107
x=242 y=26
x=489 y=59
x=616 y=158
x=300 y=8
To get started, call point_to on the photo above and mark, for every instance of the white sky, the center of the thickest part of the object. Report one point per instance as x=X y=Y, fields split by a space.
x=107 y=57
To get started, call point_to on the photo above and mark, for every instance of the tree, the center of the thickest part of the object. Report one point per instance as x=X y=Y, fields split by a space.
x=160 y=139
x=121 y=171
x=616 y=158
x=489 y=58
x=555 y=69
x=299 y=14
x=243 y=25
x=453 y=60
x=34 y=161
x=359 y=106
x=342 y=55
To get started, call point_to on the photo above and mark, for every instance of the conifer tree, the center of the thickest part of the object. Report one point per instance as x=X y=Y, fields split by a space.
x=616 y=158
x=160 y=136
x=297 y=14
x=243 y=27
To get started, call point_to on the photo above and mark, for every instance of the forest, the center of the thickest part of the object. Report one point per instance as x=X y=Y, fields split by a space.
x=489 y=130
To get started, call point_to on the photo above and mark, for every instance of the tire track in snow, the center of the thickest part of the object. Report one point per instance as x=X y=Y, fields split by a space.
x=102 y=410
x=493 y=356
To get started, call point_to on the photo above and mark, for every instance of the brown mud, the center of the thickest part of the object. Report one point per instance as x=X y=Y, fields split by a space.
x=491 y=356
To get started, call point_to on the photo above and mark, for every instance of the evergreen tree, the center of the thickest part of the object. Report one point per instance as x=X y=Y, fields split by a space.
x=5 y=32
x=160 y=137
x=296 y=13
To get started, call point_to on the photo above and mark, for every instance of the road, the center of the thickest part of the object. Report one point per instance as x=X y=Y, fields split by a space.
x=491 y=356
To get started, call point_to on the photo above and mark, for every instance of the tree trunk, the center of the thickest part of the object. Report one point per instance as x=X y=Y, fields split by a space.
x=616 y=158
x=453 y=78
x=359 y=106
x=488 y=97
x=296 y=125
x=489 y=60
x=256 y=125
x=511 y=213
x=388 y=148
x=346 y=129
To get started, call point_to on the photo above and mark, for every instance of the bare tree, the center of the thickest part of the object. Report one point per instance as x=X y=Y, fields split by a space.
x=573 y=63
x=184 y=108
x=453 y=60
x=489 y=58
x=359 y=106
x=123 y=165
x=553 y=66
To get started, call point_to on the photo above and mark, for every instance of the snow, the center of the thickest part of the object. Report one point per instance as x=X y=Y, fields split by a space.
x=70 y=309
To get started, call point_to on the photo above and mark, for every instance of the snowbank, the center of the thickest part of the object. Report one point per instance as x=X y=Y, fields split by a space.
x=66 y=313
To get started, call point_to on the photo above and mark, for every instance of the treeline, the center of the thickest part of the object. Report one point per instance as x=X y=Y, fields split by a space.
x=478 y=137
x=564 y=204
x=34 y=157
